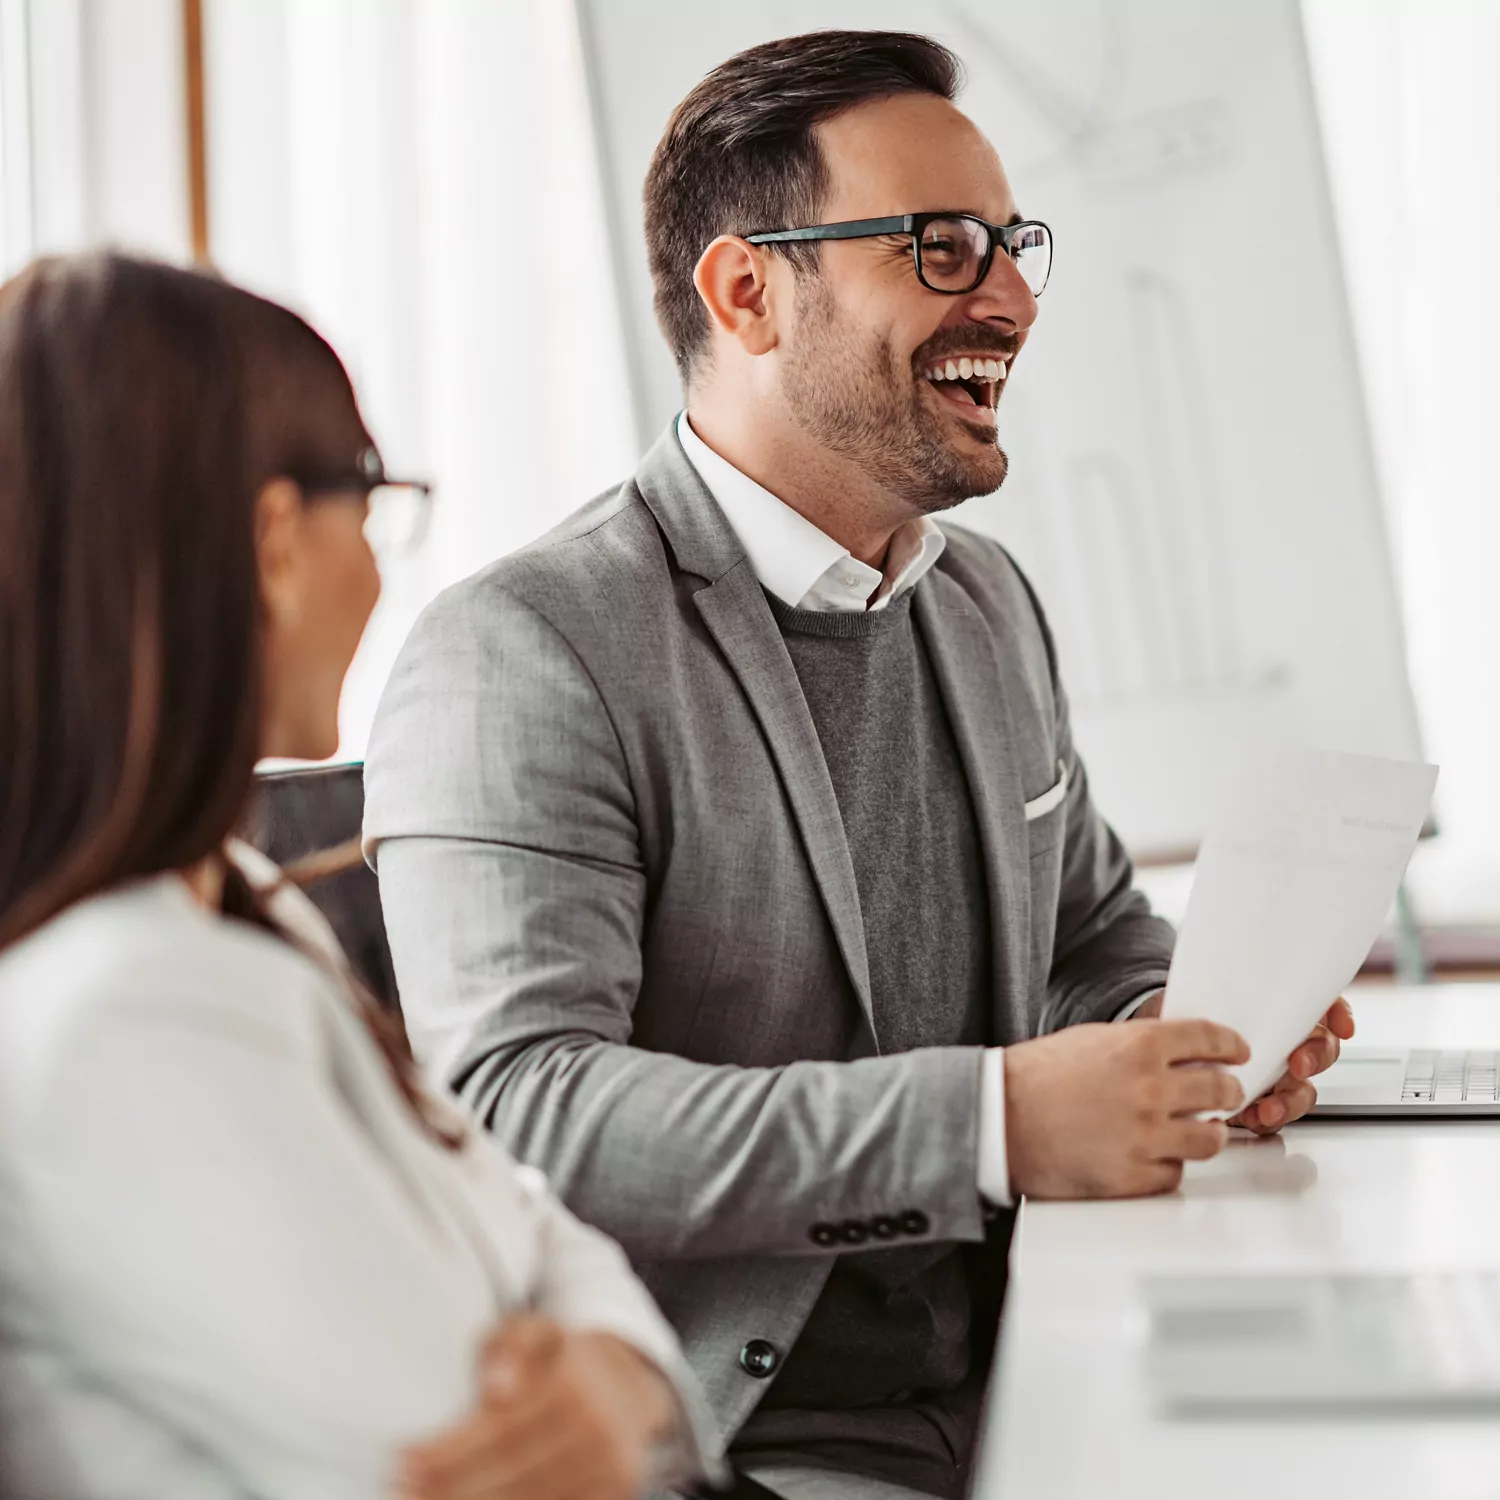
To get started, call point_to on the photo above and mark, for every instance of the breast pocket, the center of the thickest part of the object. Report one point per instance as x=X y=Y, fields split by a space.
x=1044 y=813
x=1046 y=822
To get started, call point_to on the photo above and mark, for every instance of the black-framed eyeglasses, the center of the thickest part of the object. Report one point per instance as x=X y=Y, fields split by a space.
x=397 y=511
x=952 y=252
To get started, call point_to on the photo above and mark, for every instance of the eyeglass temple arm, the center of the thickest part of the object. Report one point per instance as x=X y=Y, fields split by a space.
x=1002 y=235
x=401 y=483
x=850 y=229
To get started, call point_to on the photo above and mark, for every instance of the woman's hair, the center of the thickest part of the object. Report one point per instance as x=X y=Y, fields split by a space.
x=142 y=408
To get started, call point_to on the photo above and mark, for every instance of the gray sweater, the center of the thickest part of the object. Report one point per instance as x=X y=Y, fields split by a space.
x=871 y=1382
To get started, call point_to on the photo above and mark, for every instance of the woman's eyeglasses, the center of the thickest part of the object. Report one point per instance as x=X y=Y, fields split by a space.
x=952 y=252
x=397 y=511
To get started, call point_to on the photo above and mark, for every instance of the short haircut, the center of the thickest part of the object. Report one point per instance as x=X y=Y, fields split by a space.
x=740 y=154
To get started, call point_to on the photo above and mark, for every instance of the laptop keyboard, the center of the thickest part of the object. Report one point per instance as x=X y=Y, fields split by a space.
x=1452 y=1078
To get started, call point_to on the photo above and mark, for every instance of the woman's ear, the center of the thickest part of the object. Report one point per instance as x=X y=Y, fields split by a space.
x=279 y=551
x=731 y=277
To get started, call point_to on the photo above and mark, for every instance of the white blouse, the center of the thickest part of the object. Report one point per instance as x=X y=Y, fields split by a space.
x=232 y=1262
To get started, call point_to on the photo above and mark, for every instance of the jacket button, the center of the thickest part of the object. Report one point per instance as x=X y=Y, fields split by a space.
x=854 y=1231
x=825 y=1236
x=915 y=1222
x=884 y=1227
x=758 y=1359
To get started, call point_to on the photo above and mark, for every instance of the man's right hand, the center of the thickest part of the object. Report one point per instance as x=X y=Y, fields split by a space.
x=1107 y=1111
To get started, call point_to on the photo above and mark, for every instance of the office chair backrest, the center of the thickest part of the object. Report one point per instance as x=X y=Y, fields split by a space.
x=303 y=812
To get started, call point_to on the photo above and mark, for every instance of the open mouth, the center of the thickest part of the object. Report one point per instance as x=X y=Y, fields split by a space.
x=969 y=382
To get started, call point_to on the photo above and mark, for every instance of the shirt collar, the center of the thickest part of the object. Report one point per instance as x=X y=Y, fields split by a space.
x=796 y=561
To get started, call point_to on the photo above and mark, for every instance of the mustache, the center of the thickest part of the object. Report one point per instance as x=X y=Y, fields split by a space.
x=974 y=340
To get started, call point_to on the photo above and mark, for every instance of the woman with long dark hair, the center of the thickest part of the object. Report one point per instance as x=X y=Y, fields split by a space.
x=243 y=1251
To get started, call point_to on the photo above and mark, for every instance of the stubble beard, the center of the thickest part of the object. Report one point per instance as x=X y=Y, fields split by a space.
x=852 y=396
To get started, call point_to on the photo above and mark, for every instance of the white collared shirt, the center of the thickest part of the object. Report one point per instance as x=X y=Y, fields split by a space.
x=804 y=567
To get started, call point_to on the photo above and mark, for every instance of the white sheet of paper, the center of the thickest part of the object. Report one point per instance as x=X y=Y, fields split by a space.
x=1289 y=892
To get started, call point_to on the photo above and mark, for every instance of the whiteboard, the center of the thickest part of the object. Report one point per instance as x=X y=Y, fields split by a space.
x=1192 y=486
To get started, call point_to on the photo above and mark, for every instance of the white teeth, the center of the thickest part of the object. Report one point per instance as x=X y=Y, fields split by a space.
x=969 y=369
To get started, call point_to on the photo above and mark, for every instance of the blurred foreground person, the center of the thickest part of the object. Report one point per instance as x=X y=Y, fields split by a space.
x=242 y=1252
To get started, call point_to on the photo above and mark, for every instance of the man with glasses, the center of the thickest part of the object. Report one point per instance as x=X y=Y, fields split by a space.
x=738 y=863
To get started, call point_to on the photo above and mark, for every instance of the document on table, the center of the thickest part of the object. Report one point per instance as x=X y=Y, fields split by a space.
x=1289 y=892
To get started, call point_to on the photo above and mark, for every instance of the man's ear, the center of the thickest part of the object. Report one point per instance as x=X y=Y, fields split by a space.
x=279 y=551
x=731 y=280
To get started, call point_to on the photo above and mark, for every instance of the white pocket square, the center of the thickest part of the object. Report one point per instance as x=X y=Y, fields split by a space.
x=1039 y=807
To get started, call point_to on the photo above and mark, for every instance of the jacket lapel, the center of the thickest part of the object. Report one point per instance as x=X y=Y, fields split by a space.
x=977 y=684
x=737 y=616
x=736 y=612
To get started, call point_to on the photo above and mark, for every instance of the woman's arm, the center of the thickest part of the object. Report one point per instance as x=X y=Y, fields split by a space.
x=224 y=1246
x=562 y=1415
x=586 y=1284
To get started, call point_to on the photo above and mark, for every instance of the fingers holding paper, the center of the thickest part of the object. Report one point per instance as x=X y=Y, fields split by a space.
x=1292 y=882
x=1293 y=1094
x=1100 y=1111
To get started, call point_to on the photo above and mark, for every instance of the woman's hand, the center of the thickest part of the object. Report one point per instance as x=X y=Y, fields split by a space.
x=561 y=1416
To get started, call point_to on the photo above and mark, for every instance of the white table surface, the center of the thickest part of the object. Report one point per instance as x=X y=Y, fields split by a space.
x=1070 y=1414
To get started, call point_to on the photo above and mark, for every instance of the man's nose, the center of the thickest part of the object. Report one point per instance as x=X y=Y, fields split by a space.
x=1003 y=296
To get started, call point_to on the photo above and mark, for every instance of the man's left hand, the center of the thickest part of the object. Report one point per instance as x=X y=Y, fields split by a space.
x=1293 y=1095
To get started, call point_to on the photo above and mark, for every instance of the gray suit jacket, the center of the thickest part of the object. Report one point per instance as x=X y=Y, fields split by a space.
x=624 y=917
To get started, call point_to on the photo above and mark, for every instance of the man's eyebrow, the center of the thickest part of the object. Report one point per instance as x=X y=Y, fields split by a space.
x=974 y=213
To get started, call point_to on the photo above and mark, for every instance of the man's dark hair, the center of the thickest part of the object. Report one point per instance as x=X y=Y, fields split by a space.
x=740 y=154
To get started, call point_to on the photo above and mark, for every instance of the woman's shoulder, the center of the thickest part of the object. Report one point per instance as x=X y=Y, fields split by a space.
x=150 y=929
x=149 y=957
x=289 y=906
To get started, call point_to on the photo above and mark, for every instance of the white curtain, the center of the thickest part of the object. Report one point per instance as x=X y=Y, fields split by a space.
x=1411 y=114
x=93 y=141
x=417 y=178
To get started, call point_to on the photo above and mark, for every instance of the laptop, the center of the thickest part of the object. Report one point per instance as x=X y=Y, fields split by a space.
x=1232 y=1343
x=1403 y=1082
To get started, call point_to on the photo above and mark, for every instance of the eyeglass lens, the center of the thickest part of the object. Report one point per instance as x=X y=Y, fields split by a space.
x=952 y=252
x=396 y=519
